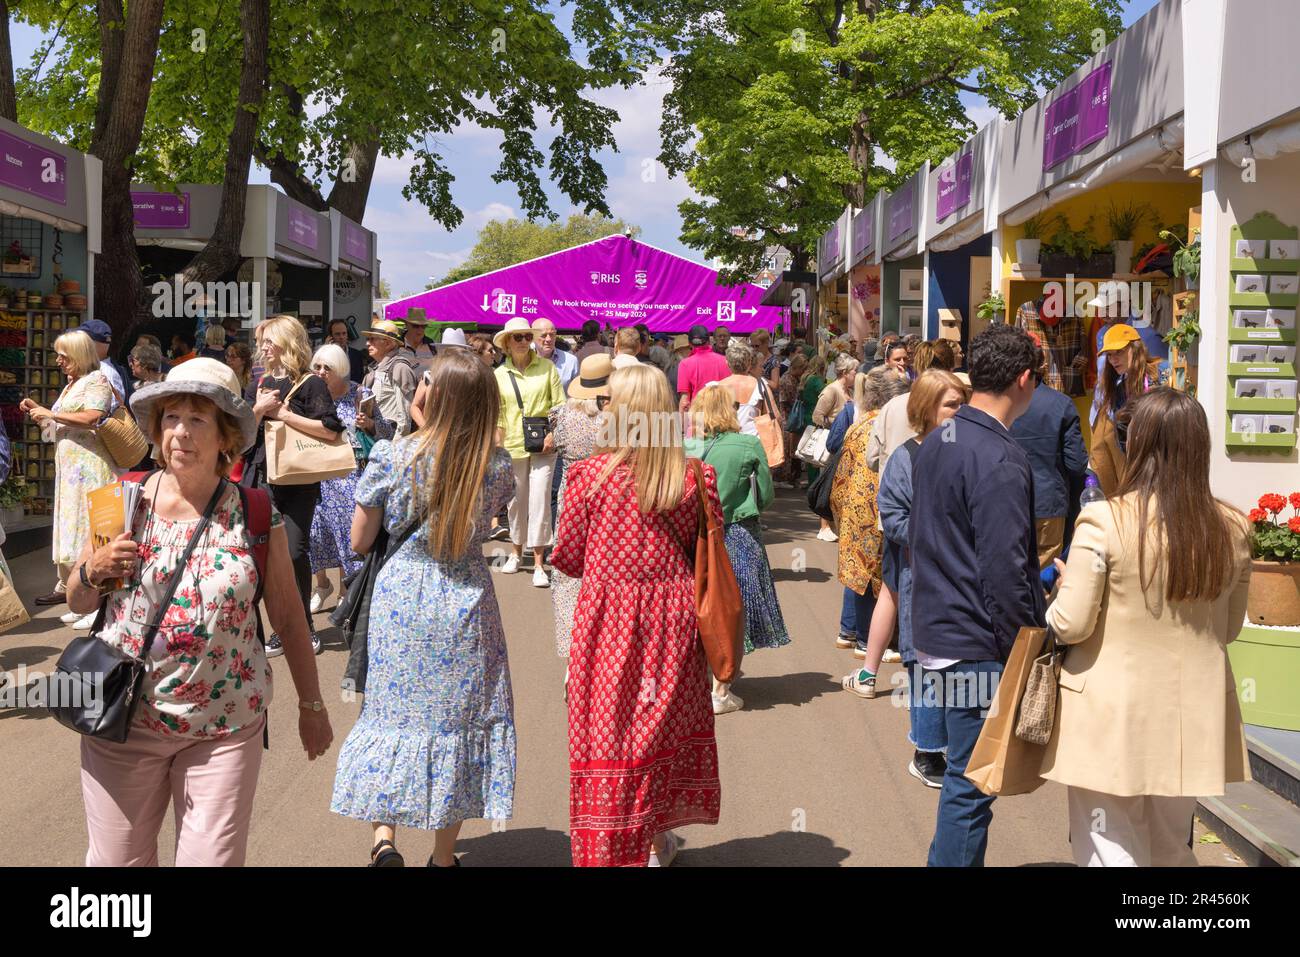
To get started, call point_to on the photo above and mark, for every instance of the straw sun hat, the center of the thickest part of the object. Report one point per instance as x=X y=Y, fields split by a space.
x=208 y=378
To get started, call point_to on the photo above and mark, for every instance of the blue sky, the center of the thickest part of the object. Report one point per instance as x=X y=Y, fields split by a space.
x=413 y=247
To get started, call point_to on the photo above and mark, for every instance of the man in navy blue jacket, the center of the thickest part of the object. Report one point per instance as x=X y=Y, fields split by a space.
x=1049 y=433
x=974 y=569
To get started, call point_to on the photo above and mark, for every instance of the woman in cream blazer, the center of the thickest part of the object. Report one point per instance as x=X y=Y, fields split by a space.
x=1148 y=718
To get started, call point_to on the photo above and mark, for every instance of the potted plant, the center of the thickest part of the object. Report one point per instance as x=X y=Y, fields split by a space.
x=1028 y=248
x=1187 y=257
x=14 y=493
x=1124 y=222
x=1185 y=335
x=992 y=309
x=1074 y=252
x=1274 y=597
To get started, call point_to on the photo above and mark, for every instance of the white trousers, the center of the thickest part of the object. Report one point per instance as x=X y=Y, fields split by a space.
x=530 y=509
x=1143 y=831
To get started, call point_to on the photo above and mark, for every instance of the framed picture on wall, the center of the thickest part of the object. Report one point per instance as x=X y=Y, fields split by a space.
x=911 y=283
x=909 y=320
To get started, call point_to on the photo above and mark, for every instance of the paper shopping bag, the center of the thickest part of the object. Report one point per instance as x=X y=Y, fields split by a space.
x=12 y=612
x=1001 y=763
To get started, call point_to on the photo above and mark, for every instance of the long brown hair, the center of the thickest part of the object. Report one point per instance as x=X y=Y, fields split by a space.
x=1138 y=360
x=458 y=435
x=1169 y=463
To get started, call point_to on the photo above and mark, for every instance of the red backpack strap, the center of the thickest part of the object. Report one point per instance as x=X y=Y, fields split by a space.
x=256 y=503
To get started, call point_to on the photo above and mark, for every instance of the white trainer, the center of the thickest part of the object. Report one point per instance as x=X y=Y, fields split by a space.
x=671 y=847
x=318 y=596
x=510 y=565
x=71 y=618
x=539 y=578
x=827 y=535
x=83 y=624
x=891 y=657
x=728 y=703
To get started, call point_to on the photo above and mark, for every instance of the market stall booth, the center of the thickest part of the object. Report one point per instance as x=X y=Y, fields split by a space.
x=49 y=236
x=832 y=317
x=1243 y=138
x=354 y=277
x=793 y=293
x=615 y=280
x=864 y=270
x=1088 y=178
x=960 y=221
x=902 y=293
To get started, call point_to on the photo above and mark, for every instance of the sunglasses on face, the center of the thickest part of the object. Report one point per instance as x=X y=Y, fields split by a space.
x=521 y=337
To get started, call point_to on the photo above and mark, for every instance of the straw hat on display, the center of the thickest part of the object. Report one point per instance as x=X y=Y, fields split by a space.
x=517 y=324
x=209 y=379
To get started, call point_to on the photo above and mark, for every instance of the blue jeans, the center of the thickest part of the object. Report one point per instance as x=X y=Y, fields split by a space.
x=855 y=613
x=927 y=731
x=964 y=692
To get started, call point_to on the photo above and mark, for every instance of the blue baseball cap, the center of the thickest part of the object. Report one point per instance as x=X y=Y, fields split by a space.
x=97 y=329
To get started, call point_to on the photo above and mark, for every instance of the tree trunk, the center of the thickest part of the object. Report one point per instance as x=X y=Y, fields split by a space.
x=8 y=96
x=112 y=23
x=860 y=155
x=285 y=172
x=118 y=287
x=221 y=254
x=351 y=191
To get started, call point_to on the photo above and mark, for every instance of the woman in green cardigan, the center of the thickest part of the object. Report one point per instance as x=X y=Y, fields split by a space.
x=745 y=488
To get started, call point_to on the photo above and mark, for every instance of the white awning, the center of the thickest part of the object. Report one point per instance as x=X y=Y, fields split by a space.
x=25 y=212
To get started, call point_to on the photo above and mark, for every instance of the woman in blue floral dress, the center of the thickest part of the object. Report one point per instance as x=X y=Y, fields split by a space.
x=435 y=742
x=331 y=525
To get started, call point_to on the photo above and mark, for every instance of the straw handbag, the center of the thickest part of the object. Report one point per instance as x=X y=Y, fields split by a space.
x=296 y=458
x=122 y=437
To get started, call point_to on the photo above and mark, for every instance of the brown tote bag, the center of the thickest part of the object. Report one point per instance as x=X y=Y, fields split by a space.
x=717 y=596
x=1002 y=763
x=296 y=458
x=770 y=430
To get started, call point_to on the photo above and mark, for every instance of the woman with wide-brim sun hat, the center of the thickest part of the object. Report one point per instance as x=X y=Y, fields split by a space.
x=576 y=427
x=530 y=388
x=196 y=741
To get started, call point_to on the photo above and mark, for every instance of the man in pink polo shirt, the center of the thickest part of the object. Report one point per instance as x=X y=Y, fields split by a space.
x=701 y=367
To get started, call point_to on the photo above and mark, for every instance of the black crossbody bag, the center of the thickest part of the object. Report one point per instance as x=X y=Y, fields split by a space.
x=536 y=427
x=88 y=657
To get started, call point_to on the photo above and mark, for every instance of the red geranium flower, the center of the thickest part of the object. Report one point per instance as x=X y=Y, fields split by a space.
x=1274 y=503
x=1295 y=501
x=1294 y=524
x=1258 y=515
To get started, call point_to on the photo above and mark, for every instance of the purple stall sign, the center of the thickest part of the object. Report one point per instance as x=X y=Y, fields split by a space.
x=160 y=210
x=901 y=211
x=356 y=245
x=954 y=188
x=864 y=224
x=302 y=227
x=33 y=169
x=830 y=252
x=1077 y=118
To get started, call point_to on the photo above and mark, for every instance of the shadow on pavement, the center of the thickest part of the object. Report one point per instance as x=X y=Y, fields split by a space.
x=11 y=658
x=526 y=847
x=807 y=575
x=772 y=691
x=782 y=849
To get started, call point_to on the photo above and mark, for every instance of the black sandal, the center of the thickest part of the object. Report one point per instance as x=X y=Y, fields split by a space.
x=455 y=862
x=381 y=856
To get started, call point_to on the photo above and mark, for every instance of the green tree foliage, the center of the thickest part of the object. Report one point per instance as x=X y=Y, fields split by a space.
x=504 y=242
x=782 y=111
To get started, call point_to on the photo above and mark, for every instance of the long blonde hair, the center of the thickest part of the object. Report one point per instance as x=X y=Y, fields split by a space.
x=290 y=338
x=459 y=436
x=642 y=428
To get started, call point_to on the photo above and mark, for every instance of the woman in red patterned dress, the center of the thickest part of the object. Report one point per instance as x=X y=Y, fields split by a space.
x=642 y=756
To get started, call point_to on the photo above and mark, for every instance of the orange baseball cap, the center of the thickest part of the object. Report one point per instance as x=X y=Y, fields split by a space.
x=1117 y=337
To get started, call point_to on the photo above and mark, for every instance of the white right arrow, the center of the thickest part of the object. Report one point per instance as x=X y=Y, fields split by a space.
x=751 y=311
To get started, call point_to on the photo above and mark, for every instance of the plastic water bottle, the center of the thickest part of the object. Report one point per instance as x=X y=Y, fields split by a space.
x=1091 y=491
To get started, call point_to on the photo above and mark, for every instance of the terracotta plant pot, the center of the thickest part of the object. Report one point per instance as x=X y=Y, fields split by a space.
x=1274 y=597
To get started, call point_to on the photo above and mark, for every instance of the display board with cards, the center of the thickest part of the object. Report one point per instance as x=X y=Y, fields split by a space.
x=1263 y=293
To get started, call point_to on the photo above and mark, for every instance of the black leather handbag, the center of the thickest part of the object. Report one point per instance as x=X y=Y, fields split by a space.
x=105 y=710
x=536 y=427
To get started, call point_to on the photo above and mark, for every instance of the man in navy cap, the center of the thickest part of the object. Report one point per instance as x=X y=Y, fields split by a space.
x=102 y=336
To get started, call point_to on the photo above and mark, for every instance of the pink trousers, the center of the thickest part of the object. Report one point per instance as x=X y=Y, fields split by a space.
x=211 y=785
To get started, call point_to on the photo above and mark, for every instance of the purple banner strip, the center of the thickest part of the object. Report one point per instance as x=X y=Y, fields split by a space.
x=160 y=210
x=33 y=169
x=1077 y=118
